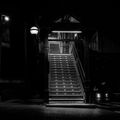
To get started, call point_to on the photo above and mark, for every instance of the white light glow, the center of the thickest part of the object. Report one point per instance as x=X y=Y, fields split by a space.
x=67 y=31
x=34 y=30
x=106 y=94
x=6 y=18
x=98 y=95
x=75 y=34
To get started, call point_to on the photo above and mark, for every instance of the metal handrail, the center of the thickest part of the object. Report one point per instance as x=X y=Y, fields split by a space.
x=81 y=70
x=79 y=65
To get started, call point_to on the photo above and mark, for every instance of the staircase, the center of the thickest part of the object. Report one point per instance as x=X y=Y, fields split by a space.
x=65 y=85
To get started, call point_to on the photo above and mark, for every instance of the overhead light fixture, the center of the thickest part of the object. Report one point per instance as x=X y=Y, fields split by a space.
x=98 y=95
x=75 y=34
x=106 y=95
x=34 y=30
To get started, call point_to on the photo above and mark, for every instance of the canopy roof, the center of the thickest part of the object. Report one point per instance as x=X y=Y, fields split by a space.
x=67 y=19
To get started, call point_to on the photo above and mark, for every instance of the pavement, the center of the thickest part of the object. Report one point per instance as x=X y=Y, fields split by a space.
x=38 y=111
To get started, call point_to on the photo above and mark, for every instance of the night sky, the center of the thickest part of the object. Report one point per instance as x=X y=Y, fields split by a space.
x=103 y=15
x=92 y=13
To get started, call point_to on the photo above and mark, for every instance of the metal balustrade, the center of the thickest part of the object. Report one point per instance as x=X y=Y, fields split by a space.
x=79 y=67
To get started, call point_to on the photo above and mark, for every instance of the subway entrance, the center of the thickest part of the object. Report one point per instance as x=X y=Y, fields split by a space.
x=65 y=84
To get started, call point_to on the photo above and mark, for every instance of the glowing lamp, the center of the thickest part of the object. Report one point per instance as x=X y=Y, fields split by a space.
x=98 y=95
x=6 y=18
x=34 y=30
x=75 y=34
x=106 y=95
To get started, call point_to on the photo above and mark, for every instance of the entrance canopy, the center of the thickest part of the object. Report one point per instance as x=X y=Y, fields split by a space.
x=67 y=23
x=65 y=28
x=66 y=19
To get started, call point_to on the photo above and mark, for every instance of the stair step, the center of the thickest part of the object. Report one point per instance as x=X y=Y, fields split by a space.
x=55 y=79
x=65 y=99
x=62 y=87
x=61 y=74
x=61 y=59
x=62 y=70
x=65 y=86
x=67 y=74
x=65 y=95
x=64 y=73
x=67 y=89
x=67 y=77
x=62 y=66
x=65 y=70
x=61 y=78
x=57 y=91
x=63 y=82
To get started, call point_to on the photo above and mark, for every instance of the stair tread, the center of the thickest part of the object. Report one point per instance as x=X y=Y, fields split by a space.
x=62 y=87
x=68 y=99
x=64 y=82
x=72 y=95
x=65 y=91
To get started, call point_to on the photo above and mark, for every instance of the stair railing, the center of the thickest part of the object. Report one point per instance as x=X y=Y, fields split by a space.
x=79 y=66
